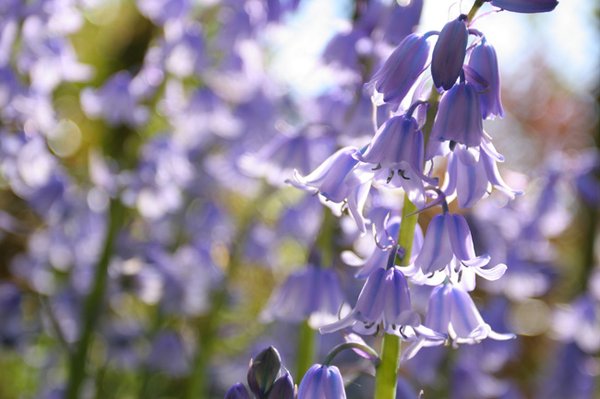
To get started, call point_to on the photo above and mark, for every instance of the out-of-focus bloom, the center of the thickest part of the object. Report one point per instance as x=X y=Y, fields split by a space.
x=116 y=102
x=312 y=293
x=580 y=323
x=161 y=11
x=401 y=21
x=449 y=53
x=402 y=68
x=304 y=150
x=526 y=6
x=384 y=299
x=322 y=382
x=451 y=314
x=459 y=117
x=339 y=184
x=484 y=62
x=169 y=355
x=237 y=391
x=573 y=375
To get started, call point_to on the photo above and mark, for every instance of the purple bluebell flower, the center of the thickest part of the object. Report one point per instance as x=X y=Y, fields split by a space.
x=322 y=382
x=185 y=49
x=472 y=172
x=341 y=50
x=526 y=6
x=385 y=241
x=339 y=183
x=312 y=293
x=449 y=53
x=384 y=299
x=484 y=62
x=451 y=314
x=448 y=236
x=402 y=68
x=237 y=391
x=459 y=117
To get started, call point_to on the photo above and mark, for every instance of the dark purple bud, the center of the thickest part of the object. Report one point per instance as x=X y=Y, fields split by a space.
x=402 y=68
x=263 y=370
x=484 y=62
x=449 y=53
x=283 y=388
x=237 y=391
x=526 y=6
x=459 y=117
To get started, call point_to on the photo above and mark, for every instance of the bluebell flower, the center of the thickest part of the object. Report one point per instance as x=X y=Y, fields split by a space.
x=458 y=118
x=448 y=236
x=451 y=314
x=449 y=53
x=402 y=68
x=162 y=11
x=169 y=354
x=580 y=322
x=322 y=382
x=340 y=183
x=484 y=62
x=471 y=173
x=341 y=50
x=526 y=6
x=312 y=293
x=385 y=242
x=383 y=301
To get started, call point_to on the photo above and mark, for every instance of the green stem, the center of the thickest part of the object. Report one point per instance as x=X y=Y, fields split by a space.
x=351 y=345
x=386 y=375
x=93 y=303
x=476 y=6
x=306 y=349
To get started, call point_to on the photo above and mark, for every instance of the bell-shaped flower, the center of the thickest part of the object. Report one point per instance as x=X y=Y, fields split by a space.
x=448 y=236
x=322 y=382
x=340 y=183
x=484 y=62
x=385 y=241
x=458 y=118
x=471 y=177
x=311 y=293
x=526 y=6
x=451 y=314
x=402 y=68
x=384 y=299
x=449 y=53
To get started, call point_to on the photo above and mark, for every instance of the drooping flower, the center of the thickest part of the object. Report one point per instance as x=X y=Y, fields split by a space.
x=451 y=314
x=526 y=6
x=402 y=68
x=448 y=236
x=484 y=62
x=312 y=293
x=472 y=176
x=449 y=53
x=322 y=382
x=459 y=117
x=340 y=183
x=384 y=299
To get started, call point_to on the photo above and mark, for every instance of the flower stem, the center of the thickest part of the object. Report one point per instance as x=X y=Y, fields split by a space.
x=306 y=349
x=476 y=6
x=352 y=345
x=93 y=303
x=386 y=375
